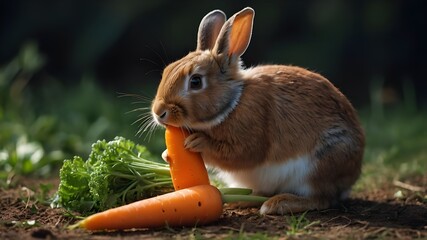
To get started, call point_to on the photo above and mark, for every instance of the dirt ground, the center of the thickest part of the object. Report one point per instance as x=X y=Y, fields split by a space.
x=371 y=214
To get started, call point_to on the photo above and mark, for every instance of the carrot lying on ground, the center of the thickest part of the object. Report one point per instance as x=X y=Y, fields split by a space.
x=186 y=167
x=192 y=206
x=186 y=207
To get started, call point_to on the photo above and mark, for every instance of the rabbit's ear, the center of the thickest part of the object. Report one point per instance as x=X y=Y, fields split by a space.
x=236 y=34
x=209 y=28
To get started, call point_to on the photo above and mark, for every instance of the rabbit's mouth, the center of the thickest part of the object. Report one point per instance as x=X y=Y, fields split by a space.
x=168 y=114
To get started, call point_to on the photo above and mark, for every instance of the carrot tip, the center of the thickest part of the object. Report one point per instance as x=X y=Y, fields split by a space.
x=75 y=226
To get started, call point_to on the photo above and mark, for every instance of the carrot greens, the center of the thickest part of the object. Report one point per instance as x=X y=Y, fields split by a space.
x=116 y=173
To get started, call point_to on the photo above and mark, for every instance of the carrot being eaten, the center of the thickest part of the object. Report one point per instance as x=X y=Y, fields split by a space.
x=187 y=168
x=192 y=206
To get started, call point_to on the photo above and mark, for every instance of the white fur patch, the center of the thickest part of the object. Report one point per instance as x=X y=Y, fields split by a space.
x=269 y=179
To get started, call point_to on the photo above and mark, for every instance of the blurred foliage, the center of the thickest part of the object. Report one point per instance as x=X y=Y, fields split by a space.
x=41 y=127
x=350 y=42
x=396 y=134
x=396 y=138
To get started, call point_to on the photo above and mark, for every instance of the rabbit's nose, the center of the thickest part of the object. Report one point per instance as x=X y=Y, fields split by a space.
x=163 y=115
x=160 y=112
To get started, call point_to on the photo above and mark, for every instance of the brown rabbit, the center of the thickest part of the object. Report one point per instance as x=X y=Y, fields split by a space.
x=281 y=130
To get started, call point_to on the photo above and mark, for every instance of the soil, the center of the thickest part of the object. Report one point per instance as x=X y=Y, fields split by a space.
x=371 y=214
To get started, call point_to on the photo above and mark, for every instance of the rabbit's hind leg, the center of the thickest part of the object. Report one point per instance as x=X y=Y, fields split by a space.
x=289 y=203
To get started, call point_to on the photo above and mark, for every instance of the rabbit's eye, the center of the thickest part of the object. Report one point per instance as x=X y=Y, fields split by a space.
x=196 y=82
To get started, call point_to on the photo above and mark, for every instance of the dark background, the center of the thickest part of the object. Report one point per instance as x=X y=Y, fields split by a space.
x=125 y=44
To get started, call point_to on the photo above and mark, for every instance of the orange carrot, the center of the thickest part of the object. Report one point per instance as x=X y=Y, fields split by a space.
x=186 y=207
x=186 y=167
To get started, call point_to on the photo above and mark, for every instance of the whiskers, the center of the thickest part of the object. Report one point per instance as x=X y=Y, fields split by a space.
x=164 y=59
x=145 y=121
x=140 y=98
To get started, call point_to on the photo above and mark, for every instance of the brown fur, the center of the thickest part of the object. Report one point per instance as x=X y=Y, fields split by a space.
x=282 y=113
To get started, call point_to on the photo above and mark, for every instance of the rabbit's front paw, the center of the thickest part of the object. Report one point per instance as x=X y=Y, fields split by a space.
x=165 y=156
x=196 y=142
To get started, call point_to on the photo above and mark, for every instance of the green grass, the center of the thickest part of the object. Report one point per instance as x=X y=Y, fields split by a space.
x=396 y=141
x=299 y=224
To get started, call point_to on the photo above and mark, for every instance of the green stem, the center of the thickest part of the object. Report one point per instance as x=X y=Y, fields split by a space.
x=235 y=191
x=229 y=198
x=161 y=170
x=165 y=183
x=126 y=176
x=126 y=191
x=75 y=226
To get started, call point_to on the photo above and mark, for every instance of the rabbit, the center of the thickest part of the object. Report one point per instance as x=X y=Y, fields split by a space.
x=283 y=131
